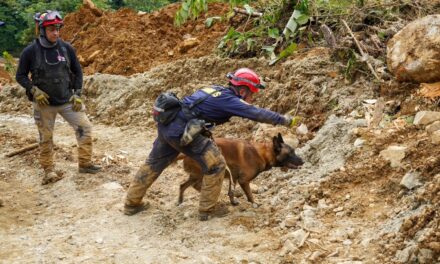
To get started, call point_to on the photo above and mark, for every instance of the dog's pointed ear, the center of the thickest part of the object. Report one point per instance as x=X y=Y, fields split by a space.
x=276 y=144
x=280 y=138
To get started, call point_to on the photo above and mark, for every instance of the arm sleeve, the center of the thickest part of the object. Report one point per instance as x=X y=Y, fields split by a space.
x=75 y=67
x=24 y=67
x=238 y=107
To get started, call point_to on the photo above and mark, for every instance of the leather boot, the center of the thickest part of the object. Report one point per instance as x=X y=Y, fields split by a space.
x=91 y=169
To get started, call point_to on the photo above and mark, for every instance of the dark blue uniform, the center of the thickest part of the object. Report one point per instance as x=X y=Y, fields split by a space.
x=219 y=104
x=218 y=108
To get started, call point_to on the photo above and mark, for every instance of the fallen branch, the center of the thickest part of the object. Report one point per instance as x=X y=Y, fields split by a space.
x=81 y=30
x=316 y=244
x=363 y=54
x=22 y=150
x=242 y=11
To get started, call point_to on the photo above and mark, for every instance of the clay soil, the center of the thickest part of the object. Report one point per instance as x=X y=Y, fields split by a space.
x=125 y=42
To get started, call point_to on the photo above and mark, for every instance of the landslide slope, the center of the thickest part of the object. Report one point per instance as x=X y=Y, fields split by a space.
x=125 y=42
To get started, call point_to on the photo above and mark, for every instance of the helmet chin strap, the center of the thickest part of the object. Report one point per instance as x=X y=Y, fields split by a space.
x=44 y=41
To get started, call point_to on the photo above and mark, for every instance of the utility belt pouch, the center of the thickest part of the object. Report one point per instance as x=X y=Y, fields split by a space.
x=193 y=128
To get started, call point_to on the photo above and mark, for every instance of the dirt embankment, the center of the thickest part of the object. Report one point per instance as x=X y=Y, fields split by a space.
x=345 y=205
x=125 y=42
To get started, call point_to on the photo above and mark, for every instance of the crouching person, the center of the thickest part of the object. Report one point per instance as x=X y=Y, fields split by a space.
x=182 y=134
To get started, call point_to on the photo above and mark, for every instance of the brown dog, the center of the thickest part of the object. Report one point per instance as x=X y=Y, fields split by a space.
x=245 y=161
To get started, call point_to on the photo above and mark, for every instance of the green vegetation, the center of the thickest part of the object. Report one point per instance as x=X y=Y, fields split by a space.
x=20 y=27
x=10 y=65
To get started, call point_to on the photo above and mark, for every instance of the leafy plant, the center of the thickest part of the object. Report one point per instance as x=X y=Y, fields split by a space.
x=190 y=9
x=285 y=53
x=296 y=20
x=210 y=21
x=10 y=65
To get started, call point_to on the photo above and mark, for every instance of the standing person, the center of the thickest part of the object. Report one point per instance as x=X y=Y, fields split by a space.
x=55 y=88
x=216 y=104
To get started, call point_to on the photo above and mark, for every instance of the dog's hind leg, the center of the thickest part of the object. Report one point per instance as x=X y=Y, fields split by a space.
x=190 y=182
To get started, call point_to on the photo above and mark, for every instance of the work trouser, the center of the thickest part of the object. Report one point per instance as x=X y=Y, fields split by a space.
x=45 y=120
x=164 y=152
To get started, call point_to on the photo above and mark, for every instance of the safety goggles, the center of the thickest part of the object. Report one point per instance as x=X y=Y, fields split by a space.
x=235 y=78
x=52 y=15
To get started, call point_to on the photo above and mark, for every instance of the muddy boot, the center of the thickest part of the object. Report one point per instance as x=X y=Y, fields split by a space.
x=134 y=209
x=91 y=169
x=220 y=211
x=51 y=177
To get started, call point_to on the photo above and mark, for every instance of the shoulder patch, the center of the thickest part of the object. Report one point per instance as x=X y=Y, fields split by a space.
x=212 y=92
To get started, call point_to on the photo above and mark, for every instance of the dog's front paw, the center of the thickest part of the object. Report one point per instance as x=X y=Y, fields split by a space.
x=255 y=205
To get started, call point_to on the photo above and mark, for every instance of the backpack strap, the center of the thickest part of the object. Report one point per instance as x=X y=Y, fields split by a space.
x=65 y=53
x=209 y=91
x=38 y=55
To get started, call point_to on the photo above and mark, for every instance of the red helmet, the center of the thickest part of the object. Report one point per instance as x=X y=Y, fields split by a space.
x=49 y=18
x=246 y=77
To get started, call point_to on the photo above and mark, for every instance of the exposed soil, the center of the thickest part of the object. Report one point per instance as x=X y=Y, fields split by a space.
x=124 y=42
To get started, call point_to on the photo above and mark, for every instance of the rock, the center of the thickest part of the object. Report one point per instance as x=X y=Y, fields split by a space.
x=403 y=256
x=206 y=260
x=426 y=117
x=298 y=236
x=302 y=129
x=347 y=242
x=394 y=154
x=359 y=142
x=112 y=186
x=188 y=44
x=360 y=122
x=254 y=187
x=431 y=128
x=413 y=54
x=315 y=255
x=425 y=256
x=322 y=204
x=288 y=247
x=435 y=137
x=290 y=221
x=410 y=180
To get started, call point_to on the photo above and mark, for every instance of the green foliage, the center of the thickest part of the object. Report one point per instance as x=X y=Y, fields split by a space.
x=18 y=16
x=190 y=9
x=296 y=20
x=210 y=21
x=233 y=41
x=285 y=53
x=10 y=65
x=146 y=5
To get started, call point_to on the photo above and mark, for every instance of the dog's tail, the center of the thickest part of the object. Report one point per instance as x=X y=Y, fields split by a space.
x=231 y=185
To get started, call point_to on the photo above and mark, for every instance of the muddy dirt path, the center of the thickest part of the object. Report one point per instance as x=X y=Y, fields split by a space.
x=78 y=219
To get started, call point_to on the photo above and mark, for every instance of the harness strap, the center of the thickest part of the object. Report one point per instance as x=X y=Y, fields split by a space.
x=201 y=99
